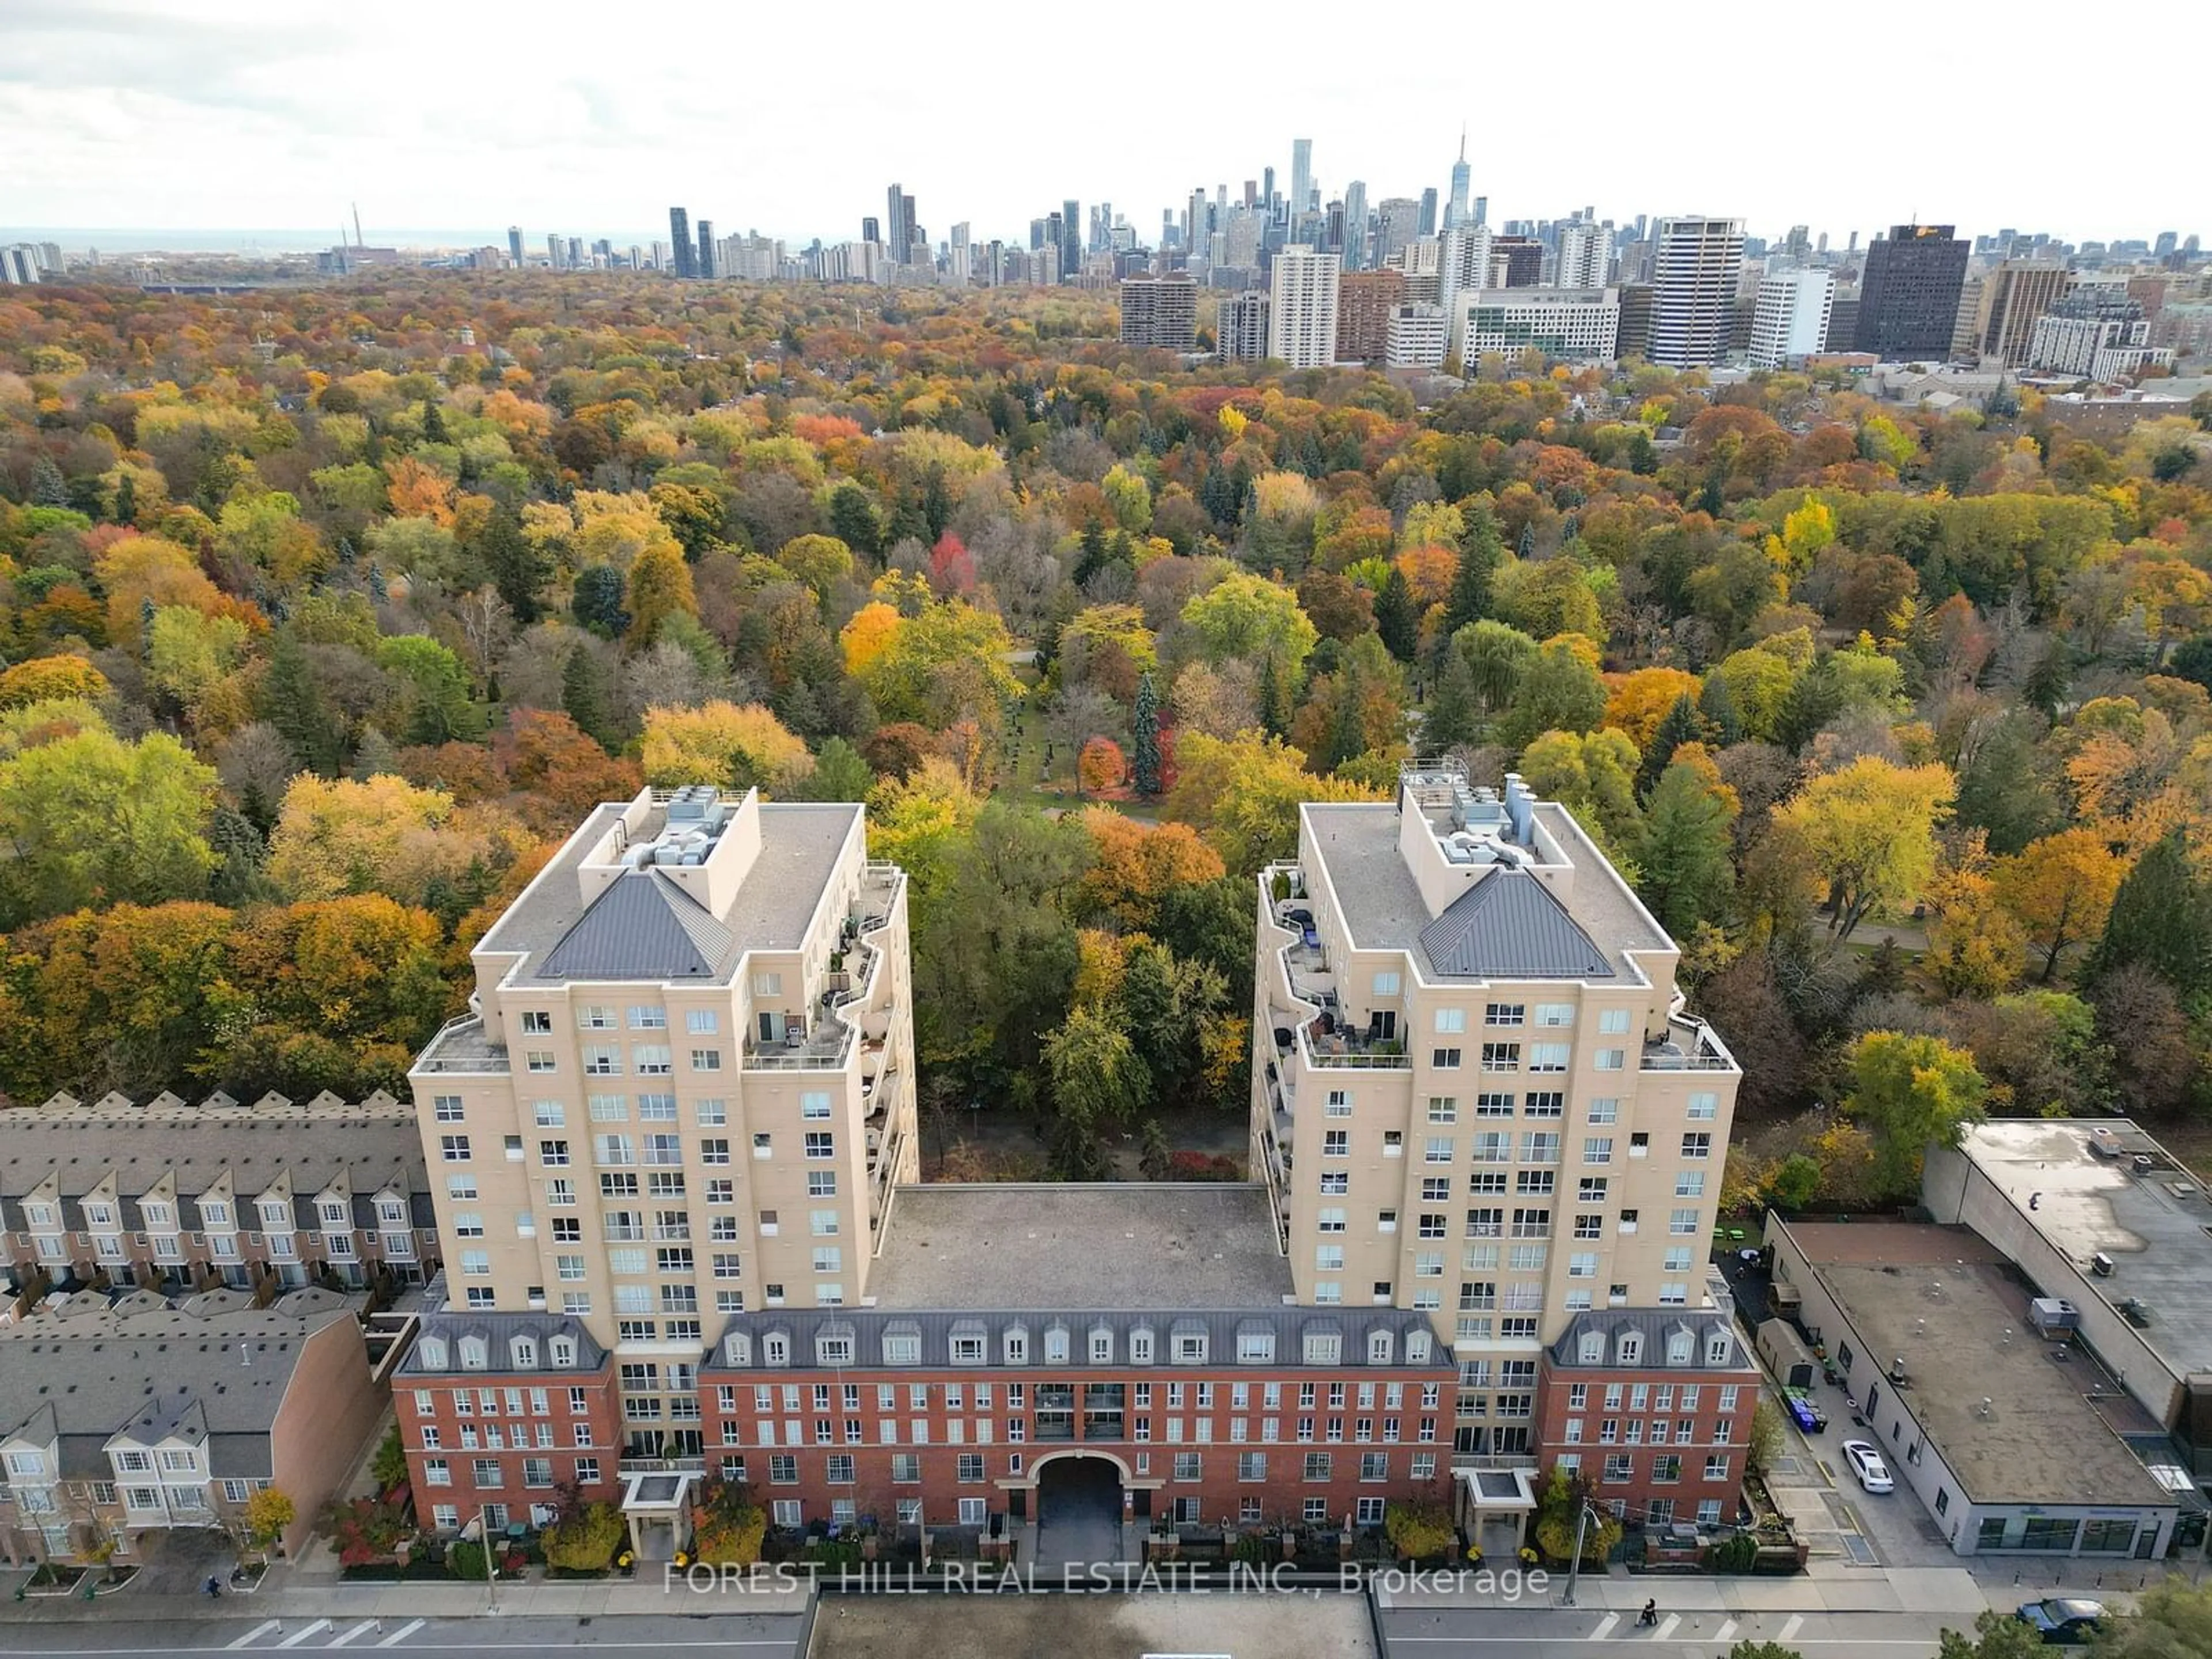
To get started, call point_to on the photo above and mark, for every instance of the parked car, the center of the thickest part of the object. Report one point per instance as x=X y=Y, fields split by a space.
x=1865 y=1463
x=2064 y=1618
x=1809 y=1417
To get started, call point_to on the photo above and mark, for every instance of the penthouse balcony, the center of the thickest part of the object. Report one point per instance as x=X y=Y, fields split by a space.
x=464 y=1047
x=835 y=1034
x=1689 y=1045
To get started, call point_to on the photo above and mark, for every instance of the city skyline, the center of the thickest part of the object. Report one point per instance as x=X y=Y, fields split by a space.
x=128 y=118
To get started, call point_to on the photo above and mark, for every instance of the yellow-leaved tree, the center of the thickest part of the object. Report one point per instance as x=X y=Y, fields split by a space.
x=722 y=743
x=1865 y=835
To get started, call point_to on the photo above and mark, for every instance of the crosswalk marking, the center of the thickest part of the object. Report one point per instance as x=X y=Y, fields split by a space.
x=344 y=1637
x=1795 y=1623
x=254 y=1635
x=1727 y=1629
x=303 y=1633
x=1667 y=1627
x=401 y=1634
x=1605 y=1627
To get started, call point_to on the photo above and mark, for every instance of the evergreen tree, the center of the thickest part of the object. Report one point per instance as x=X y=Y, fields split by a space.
x=1395 y=618
x=2161 y=917
x=584 y=696
x=345 y=553
x=434 y=424
x=1145 y=737
x=597 y=601
x=1094 y=557
x=240 y=852
x=126 y=501
x=516 y=569
x=1275 y=701
x=1718 y=704
x=294 y=704
x=1347 y=734
x=1527 y=545
x=1454 y=715
x=378 y=589
x=48 y=487
x=1684 y=870
x=1710 y=502
x=374 y=756
x=1480 y=553
x=855 y=521
x=1680 y=725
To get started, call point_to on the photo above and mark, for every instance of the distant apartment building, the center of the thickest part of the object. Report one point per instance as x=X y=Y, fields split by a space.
x=1365 y=302
x=1695 y=272
x=1417 y=337
x=679 y=239
x=2099 y=334
x=1397 y=221
x=1791 y=321
x=1585 y=255
x=1241 y=329
x=1636 y=302
x=179 y=1198
x=123 y=1419
x=1516 y=262
x=1909 y=293
x=1578 y=325
x=1160 y=312
x=1476 y=1097
x=1302 y=308
x=2012 y=296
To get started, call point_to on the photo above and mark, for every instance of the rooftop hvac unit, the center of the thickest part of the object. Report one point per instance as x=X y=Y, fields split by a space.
x=2101 y=1265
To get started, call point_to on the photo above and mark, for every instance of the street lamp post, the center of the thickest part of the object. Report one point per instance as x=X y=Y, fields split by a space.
x=491 y=1575
x=1575 y=1566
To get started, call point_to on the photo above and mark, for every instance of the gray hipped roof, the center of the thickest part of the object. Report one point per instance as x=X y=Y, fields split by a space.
x=643 y=926
x=1509 y=926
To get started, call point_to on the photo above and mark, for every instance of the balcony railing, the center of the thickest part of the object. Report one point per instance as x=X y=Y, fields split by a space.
x=454 y=1048
x=1688 y=1046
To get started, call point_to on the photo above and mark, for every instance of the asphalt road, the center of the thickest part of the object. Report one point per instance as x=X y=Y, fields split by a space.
x=1573 y=1633
x=742 y=1635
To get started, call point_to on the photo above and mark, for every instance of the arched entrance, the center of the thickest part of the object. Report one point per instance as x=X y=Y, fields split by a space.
x=1080 y=1510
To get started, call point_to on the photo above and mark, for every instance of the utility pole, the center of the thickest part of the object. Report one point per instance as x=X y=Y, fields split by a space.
x=491 y=1575
x=1575 y=1566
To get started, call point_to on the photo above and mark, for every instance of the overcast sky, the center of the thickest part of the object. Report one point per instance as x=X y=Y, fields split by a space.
x=792 y=118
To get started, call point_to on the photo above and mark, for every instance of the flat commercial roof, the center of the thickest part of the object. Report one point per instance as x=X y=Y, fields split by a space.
x=2154 y=1225
x=1173 y=1245
x=1946 y=1303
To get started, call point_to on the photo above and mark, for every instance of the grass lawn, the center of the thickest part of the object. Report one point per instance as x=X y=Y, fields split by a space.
x=1025 y=781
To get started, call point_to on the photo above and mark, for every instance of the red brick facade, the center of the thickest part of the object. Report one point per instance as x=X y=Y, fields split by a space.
x=539 y=1430
x=1665 y=1445
x=1286 y=1444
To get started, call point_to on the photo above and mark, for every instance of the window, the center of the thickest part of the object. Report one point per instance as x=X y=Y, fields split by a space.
x=1318 y=1465
x=1501 y=1056
x=814 y=1104
x=1597 y=1149
x=1549 y=1057
x=1386 y=985
x=447 y=1109
x=1690 y=1184
x=454 y=1149
x=700 y=1021
x=1190 y=1347
x=1612 y=1059
x=1703 y=1108
x=603 y=1060
x=1437 y=1150
x=1336 y=1143
x=1682 y=1221
x=768 y=985
x=820 y=1144
x=1544 y=1103
x=1442 y=1108
x=970 y=1468
x=1612 y=1022
x=1445 y=1059
x=1450 y=1020
x=1375 y=1466
x=1554 y=1015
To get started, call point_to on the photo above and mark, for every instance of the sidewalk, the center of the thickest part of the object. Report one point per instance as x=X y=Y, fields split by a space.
x=285 y=1593
x=1948 y=1594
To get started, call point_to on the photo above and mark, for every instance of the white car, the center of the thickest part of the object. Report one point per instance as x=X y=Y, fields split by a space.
x=1865 y=1463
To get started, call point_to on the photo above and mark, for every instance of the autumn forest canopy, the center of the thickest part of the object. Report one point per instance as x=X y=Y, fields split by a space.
x=326 y=612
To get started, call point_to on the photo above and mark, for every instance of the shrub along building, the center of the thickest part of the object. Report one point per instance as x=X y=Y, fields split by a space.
x=673 y=1258
x=1476 y=1097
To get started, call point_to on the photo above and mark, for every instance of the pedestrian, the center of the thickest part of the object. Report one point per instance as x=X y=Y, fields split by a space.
x=1650 y=1613
x=213 y=1587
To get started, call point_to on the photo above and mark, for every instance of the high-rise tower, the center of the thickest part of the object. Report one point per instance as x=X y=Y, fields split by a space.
x=1301 y=176
x=679 y=241
x=1909 y=296
x=1694 y=276
x=1456 y=209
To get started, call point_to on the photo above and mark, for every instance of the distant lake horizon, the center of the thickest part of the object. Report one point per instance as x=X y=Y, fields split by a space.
x=120 y=240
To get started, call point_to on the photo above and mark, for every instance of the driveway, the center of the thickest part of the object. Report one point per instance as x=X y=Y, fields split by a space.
x=1080 y=1513
x=179 y=1563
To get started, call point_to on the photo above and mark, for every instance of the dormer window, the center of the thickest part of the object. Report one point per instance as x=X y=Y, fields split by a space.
x=1591 y=1349
x=522 y=1354
x=1101 y=1345
x=430 y=1353
x=1055 y=1344
x=1378 y=1347
x=475 y=1355
x=1678 y=1348
x=1016 y=1345
x=1416 y=1347
x=833 y=1350
x=737 y=1349
x=1140 y=1345
x=564 y=1351
x=775 y=1348
x=1719 y=1347
x=1631 y=1347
